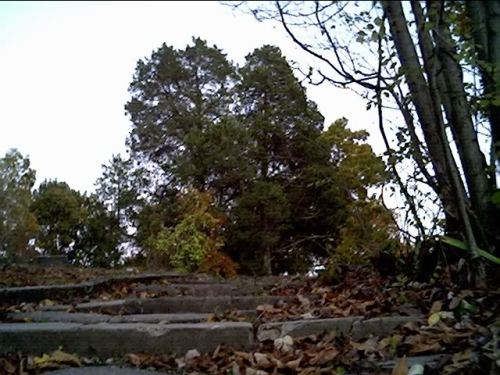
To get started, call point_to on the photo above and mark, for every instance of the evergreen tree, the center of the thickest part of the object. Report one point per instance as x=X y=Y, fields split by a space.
x=99 y=235
x=177 y=96
x=60 y=213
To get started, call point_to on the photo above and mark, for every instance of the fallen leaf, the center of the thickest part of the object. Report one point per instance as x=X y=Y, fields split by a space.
x=191 y=355
x=47 y=302
x=416 y=369
x=6 y=366
x=436 y=307
x=134 y=359
x=261 y=360
x=295 y=364
x=370 y=345
x=401 y=367
x=284 y=344
x=235 y=370
x=459 y=361
x=454 y=303
x=56 y=359
x=433 y=319
x=251 y=371
x=143 y=295
x=425 y=347
x=324 y=356
x=244 y=355
x=307 y=316
x=303 y=300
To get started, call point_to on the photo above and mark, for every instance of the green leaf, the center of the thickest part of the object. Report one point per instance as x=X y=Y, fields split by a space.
x=495 y=198
x=463 y=246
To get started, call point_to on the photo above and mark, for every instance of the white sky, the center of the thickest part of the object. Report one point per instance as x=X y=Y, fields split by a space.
x=65 y=68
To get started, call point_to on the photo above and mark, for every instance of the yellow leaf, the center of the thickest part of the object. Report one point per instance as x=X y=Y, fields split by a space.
x=433 y=319
x=55 y=359
x=61 y=357
x=41 y=360
x=401 y=367
x=211 y=317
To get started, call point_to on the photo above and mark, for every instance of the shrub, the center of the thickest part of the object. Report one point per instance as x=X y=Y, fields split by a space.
x=193 y=244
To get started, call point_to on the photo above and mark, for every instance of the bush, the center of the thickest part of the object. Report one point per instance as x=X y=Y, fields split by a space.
x=193 y=244
x=218 y=264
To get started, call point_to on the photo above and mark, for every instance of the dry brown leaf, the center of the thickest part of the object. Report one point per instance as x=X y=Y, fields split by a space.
x=6 y=366
x=105 y=296
x=423 y=347
x=251 y=371
x=261 y=360
x=324 y=356
x=310 y=371
x=436 y=307
x=244 y=355
x=134 y=359
x=284 y=344
x=370 y=345
x=454 y=303
x=303 y=300
x=191 y=355
x=401 y=367
x=307 y=315
x=295 y=364
x=211 y=317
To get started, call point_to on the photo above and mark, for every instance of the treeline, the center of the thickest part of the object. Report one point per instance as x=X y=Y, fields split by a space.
x=228 y=166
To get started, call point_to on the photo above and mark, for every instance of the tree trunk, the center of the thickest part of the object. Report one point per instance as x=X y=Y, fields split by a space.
x=460 y=120
x=485 y=17
x=426 y=97
x=267 y=262
x=423 y=102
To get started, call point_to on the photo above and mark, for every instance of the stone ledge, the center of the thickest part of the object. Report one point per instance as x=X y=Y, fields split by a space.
x=352 y=326
x=107 y=340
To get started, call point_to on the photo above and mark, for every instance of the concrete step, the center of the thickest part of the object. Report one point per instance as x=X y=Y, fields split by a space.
x=190 y=289
x=173 y=284
x=126 y=335
x=40 y=292
x=429 y=361
x=91 y=318
x=355 y=327
x=171 y=305
x=104 y=370
x=107 y=340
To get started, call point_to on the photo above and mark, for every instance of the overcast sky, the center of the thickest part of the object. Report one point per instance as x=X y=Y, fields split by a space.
x=65 y=68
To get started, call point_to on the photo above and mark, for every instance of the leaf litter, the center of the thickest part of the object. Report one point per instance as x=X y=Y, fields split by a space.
x=458 y=328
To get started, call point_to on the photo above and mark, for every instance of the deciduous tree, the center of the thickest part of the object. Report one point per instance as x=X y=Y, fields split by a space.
x=17 y=223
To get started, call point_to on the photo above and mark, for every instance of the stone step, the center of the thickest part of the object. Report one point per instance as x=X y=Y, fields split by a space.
x=107 y=340
x=104 y=370
x=171 y=305
x=142 y=333
x=40 y=292
x=429 y=361
x=355 y=327
x=190 y=289
x=175 y=284
x=90 y=318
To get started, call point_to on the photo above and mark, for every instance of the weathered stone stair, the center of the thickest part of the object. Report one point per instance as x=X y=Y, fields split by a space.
x=180 y=319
